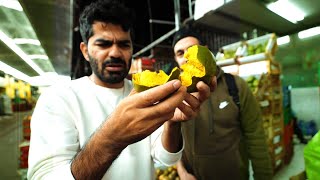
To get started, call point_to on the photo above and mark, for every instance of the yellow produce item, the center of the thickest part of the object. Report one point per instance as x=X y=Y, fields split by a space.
x=200 y=66
x=148 y=79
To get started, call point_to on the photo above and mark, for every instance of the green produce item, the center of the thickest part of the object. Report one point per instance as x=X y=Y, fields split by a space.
x=312 y=157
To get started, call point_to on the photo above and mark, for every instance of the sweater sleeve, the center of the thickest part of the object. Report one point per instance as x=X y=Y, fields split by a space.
x=54 y=139
x=254 y=137
x=160 y=154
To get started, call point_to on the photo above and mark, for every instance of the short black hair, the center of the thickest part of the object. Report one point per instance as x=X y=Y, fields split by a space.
x=185 y=32
x=108 y=11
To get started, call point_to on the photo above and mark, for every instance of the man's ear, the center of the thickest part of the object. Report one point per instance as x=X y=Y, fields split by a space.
x=84 y=50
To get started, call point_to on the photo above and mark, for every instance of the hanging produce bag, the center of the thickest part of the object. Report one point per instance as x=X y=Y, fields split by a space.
x=312 y=157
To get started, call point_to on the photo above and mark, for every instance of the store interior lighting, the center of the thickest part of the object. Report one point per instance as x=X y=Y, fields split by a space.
x=11 y=4
x=13 y=72
x=48 y=79
x=45 y=79
x=38 y=56
x=204 y=6
x=309 y=32
x=10 y=43
x=287 y=10
x=35 y=42
x=283 y=40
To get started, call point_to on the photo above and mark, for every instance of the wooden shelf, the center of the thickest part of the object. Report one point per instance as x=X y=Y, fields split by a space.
x=268 y=92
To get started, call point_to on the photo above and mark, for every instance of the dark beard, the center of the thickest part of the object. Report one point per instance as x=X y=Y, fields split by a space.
x=106 y=76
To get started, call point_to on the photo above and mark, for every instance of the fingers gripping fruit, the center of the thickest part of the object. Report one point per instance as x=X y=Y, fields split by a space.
x=200 y=66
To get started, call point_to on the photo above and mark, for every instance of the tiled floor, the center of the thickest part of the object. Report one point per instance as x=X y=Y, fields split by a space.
x=295 y=166
x=10 y=138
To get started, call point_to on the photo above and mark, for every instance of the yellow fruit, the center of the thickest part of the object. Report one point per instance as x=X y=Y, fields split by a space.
x=148 y=79
x=200 y=66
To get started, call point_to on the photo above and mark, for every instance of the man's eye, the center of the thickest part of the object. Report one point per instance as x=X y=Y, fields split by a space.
x=124 y=45
x=104 y=44
x=179 y=54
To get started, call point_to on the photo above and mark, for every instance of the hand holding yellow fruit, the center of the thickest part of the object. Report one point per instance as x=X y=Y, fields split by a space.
x=200 y=66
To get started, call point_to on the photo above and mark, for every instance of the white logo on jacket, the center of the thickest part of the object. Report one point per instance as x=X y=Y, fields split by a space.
x=223 y=104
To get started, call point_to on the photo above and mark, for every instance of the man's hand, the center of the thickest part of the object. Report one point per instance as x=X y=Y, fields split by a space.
x=135 y=118
x=190 y=107
x=140 y=114
x=183 y=173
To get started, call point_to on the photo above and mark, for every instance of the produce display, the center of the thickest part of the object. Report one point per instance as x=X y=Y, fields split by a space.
x=264 y=44
x=170 y=173
x=256 y=49
x=253 y=83
x=227 y=54
x=200 y=65
x=266 y=87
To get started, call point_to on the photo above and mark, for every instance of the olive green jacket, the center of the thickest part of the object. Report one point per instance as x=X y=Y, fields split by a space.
x=212 y=140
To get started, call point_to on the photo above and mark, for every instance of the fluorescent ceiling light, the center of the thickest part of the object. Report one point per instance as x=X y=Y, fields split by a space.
x=283 y=40
x=11 y=4
x=27 y=41
x=309 y=32
x=48 y=79
x=13 y=72
x=45 y=79
x=38 y=56
x=286 y=10
x=204 y=6
x=10 y=43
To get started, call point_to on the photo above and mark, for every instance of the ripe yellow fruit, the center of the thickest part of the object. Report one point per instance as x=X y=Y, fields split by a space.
x=148 y=79
x=200 y=66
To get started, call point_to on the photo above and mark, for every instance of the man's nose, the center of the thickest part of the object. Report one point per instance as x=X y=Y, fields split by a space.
x=182 y=61
x=115 y=51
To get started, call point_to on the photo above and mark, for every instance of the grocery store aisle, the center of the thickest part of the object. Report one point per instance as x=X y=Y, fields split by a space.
x=295 y=166
x=10 y=138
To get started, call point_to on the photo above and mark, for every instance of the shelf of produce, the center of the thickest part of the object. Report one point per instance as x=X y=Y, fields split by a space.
x=262 y=73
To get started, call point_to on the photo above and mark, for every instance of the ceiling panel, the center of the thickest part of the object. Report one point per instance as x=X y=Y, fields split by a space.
x=13 y=60
x=52 y=22
x=14 y=24
x=253 y=13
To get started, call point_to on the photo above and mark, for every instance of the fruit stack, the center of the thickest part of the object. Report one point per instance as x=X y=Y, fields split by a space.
x=169 y=173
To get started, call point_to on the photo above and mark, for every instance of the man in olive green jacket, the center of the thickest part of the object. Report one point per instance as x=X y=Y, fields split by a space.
x=224 y=137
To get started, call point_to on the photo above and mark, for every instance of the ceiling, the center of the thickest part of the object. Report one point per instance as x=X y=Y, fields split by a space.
x=245 y=15
x=48 y=21
x=51 y=21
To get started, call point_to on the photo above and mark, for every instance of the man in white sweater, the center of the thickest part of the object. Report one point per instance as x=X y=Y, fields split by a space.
x=97 y=127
